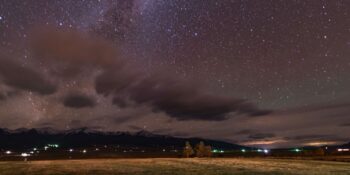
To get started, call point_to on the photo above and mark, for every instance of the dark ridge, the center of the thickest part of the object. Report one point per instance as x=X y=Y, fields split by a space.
x=85 y=137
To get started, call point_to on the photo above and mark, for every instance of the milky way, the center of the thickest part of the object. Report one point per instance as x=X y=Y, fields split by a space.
x=270 y=73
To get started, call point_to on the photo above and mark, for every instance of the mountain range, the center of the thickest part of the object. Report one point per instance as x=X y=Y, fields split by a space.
x=84 y=137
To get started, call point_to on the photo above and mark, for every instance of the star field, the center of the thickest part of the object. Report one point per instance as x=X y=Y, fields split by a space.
x=253 y=72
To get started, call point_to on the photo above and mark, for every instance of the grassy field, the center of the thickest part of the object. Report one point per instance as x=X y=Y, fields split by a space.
x=173 y=166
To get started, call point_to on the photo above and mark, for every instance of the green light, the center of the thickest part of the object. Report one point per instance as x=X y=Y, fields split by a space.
x=53 y=145
x=243 y=150
x=218 y=151
x=297 y=150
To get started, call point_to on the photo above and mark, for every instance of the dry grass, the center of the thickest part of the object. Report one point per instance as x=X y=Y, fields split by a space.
x=173 y=166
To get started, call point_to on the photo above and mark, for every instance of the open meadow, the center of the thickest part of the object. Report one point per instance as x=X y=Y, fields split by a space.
x=167 y=166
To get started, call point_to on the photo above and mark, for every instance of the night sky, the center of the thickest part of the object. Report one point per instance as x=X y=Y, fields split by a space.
x=269 y=73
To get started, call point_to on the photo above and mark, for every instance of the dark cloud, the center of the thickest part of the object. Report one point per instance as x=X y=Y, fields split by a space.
x=345 y=125
x=135 y=128
x=308 y=137
x=75 y=123
x=259 y=136
x=78 y=101
x=187 y=102
x=162 y=130
x=181 y=134
x=245 y=132
x=119 y=102
x=8 y=94
x=69 y=52
x=46 y=124
x=113 y=81
x=324 y=108
x=2 y=96
x=164 y=93
x=21 y=77
x=178 y=99
x=122 y=119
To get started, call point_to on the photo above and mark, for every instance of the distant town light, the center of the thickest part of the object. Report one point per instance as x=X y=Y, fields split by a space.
x=25 y=155
x=32 y=152
x=266 y=151
x=260 y=150
x=222 y=151
x=84 y=151
x=297 y=150
x=71 y=150
x=243 y=150
x=46 y=147
x=53 y=145
x=343 y=150
x=8 y=152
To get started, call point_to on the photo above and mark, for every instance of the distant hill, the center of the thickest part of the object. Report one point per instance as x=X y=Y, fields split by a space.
x=83 y=137
x=347 y=145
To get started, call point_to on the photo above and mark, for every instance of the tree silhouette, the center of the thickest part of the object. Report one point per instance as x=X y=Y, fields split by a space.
x=200 y=149
x=203 y=150
x=188 y=151
x=207 y=151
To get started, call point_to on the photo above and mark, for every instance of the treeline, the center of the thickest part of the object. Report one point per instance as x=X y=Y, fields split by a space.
x=200 y=150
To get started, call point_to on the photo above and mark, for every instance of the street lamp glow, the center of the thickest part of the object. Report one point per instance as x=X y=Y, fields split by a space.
x=8 y=152
x=25 y=155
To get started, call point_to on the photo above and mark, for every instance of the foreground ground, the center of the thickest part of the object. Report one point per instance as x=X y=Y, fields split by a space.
x=173 y=166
